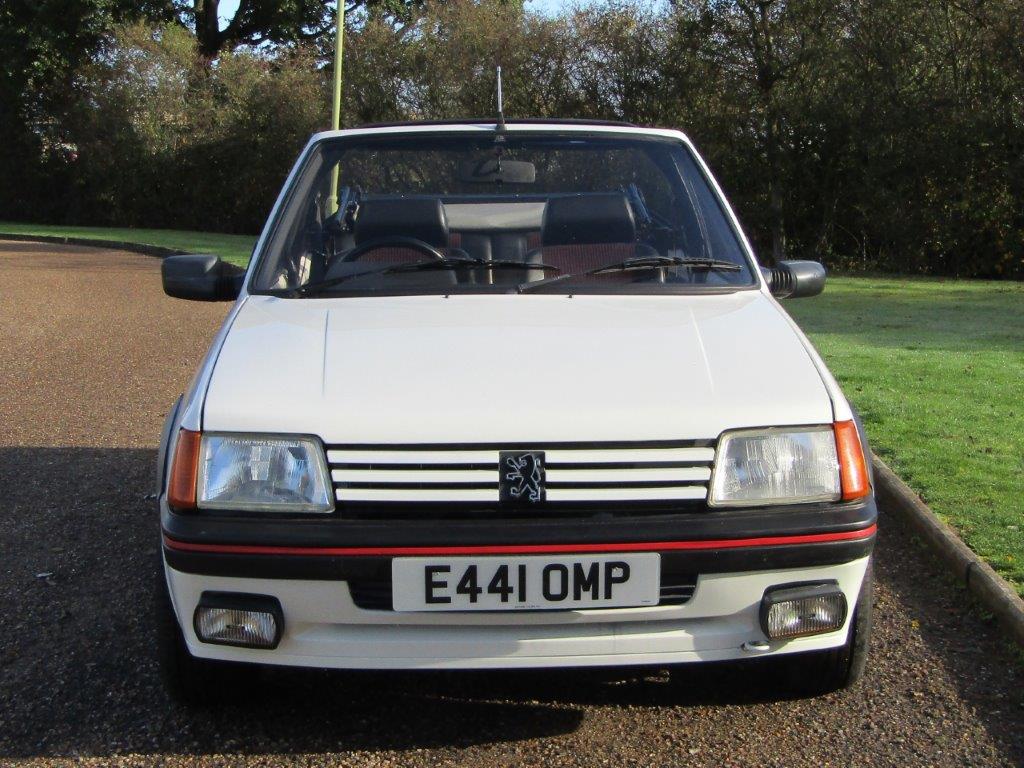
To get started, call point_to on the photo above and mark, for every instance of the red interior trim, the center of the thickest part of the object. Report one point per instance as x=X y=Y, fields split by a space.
x=524 y=549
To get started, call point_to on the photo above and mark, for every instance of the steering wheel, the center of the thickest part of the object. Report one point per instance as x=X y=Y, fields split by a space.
x=411 y=243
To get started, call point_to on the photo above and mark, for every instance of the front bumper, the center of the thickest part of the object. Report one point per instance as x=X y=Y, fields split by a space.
x=306 y=565
x=330 y=547
x=324 y=628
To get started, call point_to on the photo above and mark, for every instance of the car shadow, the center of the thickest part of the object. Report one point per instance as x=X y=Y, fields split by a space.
x=78 y=675
x=331 y=711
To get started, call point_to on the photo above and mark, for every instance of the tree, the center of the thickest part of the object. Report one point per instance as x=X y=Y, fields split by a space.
x=269 y=21
x=162 y=139
x=42 y=43
x=759 y=51
x=255 y=22
x=872 y=134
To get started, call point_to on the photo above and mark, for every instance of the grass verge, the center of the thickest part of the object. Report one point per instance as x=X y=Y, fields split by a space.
x=234 y=248
x=936 y=368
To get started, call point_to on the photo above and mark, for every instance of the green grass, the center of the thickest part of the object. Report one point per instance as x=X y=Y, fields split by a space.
x=234 y=248
x=936 y=369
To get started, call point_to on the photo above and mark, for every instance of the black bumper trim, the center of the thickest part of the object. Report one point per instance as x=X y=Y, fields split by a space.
x=343 y=568
x=695 y=525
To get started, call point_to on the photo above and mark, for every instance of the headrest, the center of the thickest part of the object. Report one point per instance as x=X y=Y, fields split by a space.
x=599 y=218
x=423 y=219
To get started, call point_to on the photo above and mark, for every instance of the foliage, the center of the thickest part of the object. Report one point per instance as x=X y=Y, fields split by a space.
x=872 y=134
x=261 y=22
x=255 y=22
x=41 y=44
x=162 y=139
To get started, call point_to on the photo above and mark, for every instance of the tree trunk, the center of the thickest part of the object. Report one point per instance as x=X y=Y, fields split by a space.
x=208 y=28
x=770 y=70
x=776 y=206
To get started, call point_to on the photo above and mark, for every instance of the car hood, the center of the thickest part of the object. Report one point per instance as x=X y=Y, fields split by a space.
x=508 y=368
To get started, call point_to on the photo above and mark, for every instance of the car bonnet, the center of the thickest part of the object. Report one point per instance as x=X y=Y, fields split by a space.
x=507 y=368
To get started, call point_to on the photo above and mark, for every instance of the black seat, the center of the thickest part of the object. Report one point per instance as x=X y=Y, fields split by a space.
x=421 y=218
x=587 y=219
x=385 y=218
x=587 y=231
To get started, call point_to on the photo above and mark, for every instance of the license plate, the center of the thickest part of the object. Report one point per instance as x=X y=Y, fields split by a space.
x=525 y=583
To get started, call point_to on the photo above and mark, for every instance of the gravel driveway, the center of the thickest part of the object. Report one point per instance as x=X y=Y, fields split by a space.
x=91 y=355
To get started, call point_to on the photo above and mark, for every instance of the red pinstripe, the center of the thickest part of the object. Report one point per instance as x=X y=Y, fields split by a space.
x=524 y=549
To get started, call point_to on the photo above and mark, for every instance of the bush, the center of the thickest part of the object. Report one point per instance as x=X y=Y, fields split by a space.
x=163 y=140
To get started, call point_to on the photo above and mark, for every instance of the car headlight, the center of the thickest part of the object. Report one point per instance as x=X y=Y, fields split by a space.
x=262 y=474
x=777 y=466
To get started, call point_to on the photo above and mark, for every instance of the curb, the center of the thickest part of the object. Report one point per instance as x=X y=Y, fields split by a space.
x=117 y=245
x=987 y=586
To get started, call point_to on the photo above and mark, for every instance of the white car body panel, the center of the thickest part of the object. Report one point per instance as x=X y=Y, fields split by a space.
x=485 y=368
x=325 y=629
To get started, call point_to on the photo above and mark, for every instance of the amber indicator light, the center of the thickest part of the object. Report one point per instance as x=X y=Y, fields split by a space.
x=181 y=491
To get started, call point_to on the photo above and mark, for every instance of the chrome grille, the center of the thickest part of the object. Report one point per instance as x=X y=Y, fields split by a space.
x=574 y=473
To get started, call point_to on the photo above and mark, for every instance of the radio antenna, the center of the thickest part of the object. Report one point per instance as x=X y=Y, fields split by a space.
x=501 y=105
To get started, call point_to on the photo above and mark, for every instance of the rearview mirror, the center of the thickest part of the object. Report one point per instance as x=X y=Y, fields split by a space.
x=201 y=278
x=795 y=279
x=490 y=170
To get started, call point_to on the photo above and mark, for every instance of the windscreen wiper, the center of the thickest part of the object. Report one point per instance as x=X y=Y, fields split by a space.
x=424 y=265
x=641 y=262
x=473 y=261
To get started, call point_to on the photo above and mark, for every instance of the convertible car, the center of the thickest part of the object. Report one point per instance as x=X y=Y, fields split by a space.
x=509 y=395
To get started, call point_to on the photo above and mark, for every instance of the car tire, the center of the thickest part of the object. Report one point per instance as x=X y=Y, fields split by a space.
x=821 y=672
x=187 y=679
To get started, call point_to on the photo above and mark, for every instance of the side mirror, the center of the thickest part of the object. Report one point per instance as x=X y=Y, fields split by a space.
x=795 y=279
x=201 y=278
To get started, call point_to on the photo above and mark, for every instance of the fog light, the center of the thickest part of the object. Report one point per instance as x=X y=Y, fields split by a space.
x=246 y=621
x=798 y=610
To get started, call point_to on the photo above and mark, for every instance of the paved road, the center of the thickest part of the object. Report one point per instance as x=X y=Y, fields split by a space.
x=91 y=354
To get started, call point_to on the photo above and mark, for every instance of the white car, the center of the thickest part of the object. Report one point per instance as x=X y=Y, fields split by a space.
x=509 y=395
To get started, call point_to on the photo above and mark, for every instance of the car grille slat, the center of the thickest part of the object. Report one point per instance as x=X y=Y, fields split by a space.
x=386 y=455
x=623 y=476
x=626 y=493
x=644 y=472
x=416 y=495
x=615 y=455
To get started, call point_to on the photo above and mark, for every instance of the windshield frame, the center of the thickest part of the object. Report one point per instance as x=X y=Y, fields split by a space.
x=301 y=176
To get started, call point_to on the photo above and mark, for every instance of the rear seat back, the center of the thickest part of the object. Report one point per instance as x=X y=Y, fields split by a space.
x=496 y=231
x=496 y=246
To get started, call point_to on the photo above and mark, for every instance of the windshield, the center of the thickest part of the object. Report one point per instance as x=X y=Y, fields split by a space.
x=479 y=213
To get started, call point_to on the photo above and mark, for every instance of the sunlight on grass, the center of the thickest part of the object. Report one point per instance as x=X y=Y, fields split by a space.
x=233 y=248
x=936 y=369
